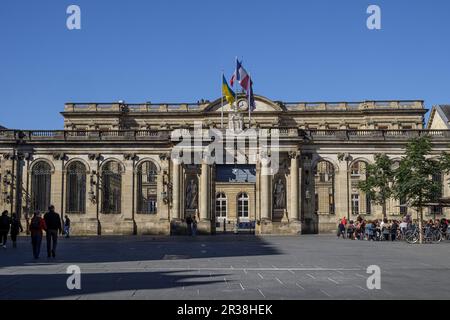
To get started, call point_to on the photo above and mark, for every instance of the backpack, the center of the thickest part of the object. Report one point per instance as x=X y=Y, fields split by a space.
x=35 y=224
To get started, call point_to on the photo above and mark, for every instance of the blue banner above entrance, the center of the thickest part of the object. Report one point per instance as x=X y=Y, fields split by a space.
x=236 y=173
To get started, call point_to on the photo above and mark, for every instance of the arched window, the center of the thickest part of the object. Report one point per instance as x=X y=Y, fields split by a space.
x=76 y=188
x=221 y=205
x=324 y=188
x=357 y=168
x=242 y=204
x=111 y=187
x=41 y=179
x=147 y=177
x=361 y=203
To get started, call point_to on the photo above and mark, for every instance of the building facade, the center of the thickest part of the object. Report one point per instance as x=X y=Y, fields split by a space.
x=113 y=169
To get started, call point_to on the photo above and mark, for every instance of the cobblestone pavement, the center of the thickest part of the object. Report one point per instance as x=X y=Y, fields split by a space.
x=227 y=267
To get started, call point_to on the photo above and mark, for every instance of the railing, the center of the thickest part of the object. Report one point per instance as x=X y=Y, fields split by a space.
x=133 y=107
x=164 y=134
x=201 y=105
x=349 y=106
x=375 y=134
x=7 y=135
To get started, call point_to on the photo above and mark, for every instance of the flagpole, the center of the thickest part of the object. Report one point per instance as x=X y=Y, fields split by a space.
x=249 y=93
x=221 y=103
x=234 y=85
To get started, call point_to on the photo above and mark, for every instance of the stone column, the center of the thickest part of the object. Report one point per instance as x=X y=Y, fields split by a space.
x=162 y=188
x=265 y=192
x=176 y=189
x=294 y=194
x=127 y=225
x=57 y=186
x=93 y=205
x=341 y=189
x=204 y=191
x=205 y=223
x=265 y=226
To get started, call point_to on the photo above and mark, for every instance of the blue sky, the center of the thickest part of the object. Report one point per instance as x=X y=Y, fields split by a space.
x=174 y=51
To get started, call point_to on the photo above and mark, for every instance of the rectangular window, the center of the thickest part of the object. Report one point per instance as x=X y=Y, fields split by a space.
x=355 y=204
x=331 y=203
x=316 y=202
x=221 y=208
x=368 y=205
x=403 y=207
x=436 y=210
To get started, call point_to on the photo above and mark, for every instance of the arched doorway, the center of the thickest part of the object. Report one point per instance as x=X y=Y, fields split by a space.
x=76 y=188
x=111 y=187
x=147 y=178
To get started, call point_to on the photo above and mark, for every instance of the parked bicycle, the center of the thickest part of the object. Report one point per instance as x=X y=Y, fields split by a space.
x=430 y=235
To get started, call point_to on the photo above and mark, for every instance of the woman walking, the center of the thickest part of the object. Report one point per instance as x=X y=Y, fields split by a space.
x=37 y=226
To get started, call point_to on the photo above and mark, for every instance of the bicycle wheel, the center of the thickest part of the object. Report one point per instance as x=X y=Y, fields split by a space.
x=436 y=236
x=411 y=236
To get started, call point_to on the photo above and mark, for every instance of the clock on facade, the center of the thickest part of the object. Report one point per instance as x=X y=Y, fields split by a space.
x=242 y=105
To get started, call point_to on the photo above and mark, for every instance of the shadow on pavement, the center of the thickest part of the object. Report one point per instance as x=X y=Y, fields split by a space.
x=47 y=286
x=127 y=248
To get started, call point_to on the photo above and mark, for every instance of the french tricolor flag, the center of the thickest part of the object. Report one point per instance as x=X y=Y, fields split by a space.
x=241 y=76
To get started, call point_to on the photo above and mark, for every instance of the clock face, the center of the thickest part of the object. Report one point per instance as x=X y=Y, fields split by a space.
x=243 y=105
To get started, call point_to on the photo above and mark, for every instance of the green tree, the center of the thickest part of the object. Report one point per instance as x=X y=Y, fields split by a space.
x=413 y=178
x=379 y=181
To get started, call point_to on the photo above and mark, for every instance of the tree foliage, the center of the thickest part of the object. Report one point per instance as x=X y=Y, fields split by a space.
x=413 y=178
x=379 y=180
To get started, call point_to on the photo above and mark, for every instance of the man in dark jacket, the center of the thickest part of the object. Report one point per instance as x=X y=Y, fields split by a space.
x=53 y=223
x=16 y=228
x=5 y=223
x=189 y=225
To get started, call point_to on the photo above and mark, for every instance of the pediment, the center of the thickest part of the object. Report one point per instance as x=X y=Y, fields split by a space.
x=262 y=105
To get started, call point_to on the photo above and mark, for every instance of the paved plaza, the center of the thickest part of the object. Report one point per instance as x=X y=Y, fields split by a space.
x=227 y=267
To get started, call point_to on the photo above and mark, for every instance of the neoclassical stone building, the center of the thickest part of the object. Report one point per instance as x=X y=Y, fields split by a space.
x=112 y=169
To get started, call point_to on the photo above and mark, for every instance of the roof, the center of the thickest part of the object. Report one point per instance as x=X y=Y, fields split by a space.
x=443 y=111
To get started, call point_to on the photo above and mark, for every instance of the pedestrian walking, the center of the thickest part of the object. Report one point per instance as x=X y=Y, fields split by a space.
x=5 y=223
x=341 y=228
x=189 y=225
x=67 y=227
x=194 y=226
x=53 y=223
x=16 y=228
x=37 y=225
